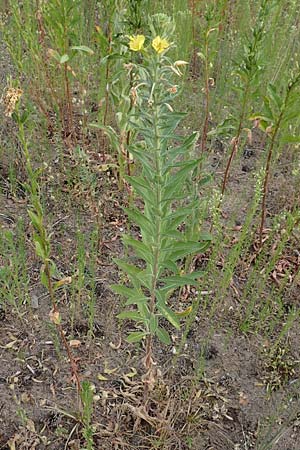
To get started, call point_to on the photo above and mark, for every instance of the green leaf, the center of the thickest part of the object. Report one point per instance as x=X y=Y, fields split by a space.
x=44 y=279
x=171 y=265
x=141 y=301
x=136 y=336
x=289 y=116
x=110 y=132
x=173 y=234
x=140 y=248
x=83 y=48
x=178 y=280
x=153 y=323
x=169 y=315
x=145 y=160
x=180 y=249
x=135 y=297
x=40 y=250
x=143 y=189
x=163 y=336
x=205 y=236
x=64 y=59
x=145 y=278
x=141 y=220
x=130 y=269
x=287 y=139
x=132 y=315
x=124 y=290
x=35 y=220
x=274 y=96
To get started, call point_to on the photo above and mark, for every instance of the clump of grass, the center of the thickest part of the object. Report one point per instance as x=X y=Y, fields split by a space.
x=279 y=368
x=14 y=277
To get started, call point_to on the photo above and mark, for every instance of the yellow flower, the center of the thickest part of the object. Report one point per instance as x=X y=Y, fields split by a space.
x=160 y=44
x=136 y=42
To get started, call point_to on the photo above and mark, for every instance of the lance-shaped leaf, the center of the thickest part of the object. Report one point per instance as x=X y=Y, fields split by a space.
x=276 y=99
x=181 y=249
x=177 y=180
x=163 y=336
x=131 y=269
x=83 y=48
x=125 y=291
x=141 y=249
x=140 y=219
x=153 y=323
x=168 y=314
x=132 y=315
x=181 y=280
x=136 y=336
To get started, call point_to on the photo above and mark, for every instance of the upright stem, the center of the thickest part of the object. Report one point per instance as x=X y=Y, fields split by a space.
x=236 y=139
x=291 y=86
x=107 y=74
x=193 y=37
x=205 y=126
x=43 y=236
x=157 y=243
x=266 y=180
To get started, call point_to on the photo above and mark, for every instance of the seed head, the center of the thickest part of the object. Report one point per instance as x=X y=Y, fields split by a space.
x=10 y=100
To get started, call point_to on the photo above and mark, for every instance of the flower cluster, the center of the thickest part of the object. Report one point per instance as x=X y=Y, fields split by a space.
x=10 y=100
x=159 y=44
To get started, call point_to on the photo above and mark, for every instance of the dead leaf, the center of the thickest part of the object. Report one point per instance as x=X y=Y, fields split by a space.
x=243 y=400
x=131 y=374
x=11 y=344
x=109 y=371
x=54 y=317
x=75 y=343
x=101 y=377
x=30 y=425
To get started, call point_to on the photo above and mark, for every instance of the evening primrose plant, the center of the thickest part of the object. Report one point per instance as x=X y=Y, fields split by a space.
x=154 y=268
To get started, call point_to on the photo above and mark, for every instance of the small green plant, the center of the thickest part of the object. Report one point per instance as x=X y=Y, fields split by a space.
x=41 y=239
x=48 y=40
x=279 y=368
x=247 y=73
x=166 y=170
x=87 y=405
x=205 y=56
x=14 y=278
x=279 y=111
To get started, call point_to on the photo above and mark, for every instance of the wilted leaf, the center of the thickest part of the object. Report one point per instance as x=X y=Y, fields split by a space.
x=101 y=377
x=74 y=343
x=54 y=317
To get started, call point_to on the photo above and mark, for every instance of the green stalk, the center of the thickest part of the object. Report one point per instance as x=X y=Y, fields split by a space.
x=157 y=245
x=42 y=239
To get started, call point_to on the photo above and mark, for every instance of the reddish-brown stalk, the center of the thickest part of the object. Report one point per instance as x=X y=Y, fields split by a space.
x=291 y=86
x=47 y=75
